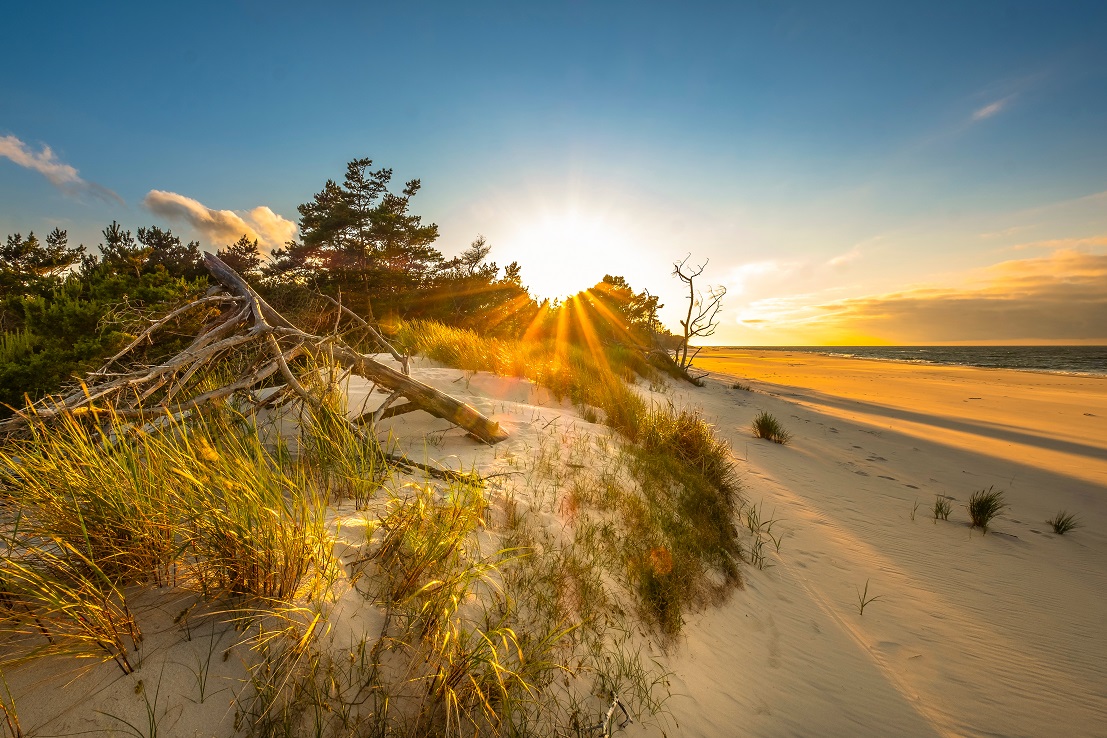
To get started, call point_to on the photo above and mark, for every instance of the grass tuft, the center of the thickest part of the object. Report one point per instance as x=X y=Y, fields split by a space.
x=768 y=427
x=942 y=508
x=1063 y=522
x=984 y=506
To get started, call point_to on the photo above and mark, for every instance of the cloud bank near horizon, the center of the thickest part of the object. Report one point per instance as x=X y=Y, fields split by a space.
x=222 y=227
x=63 y=176
x=1059 y=297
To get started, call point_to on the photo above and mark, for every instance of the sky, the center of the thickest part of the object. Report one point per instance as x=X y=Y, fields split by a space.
x=855 y=172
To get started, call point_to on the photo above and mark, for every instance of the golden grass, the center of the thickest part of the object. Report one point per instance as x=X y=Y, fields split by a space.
x=509 y=641
x=687 y=492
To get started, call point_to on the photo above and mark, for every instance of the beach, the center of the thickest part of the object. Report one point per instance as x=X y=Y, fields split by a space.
x=870 y=618
x=970 y=633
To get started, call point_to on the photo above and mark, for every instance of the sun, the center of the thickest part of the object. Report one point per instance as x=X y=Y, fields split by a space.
x=565 y=252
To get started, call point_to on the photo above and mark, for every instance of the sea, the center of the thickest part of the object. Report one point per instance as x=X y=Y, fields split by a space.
x=1079 y=360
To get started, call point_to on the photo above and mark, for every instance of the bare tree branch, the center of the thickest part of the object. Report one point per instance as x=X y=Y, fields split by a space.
x=703 y=312
x=252 y=337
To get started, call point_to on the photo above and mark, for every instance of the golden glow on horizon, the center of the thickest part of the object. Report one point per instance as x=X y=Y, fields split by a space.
x=1056 y=299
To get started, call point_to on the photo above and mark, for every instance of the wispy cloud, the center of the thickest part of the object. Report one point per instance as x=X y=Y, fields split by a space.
x=222 y=227
x=746 y=277
x=1057 y=244
x=1008 y=232
x=993 y=108
x=63 y=176
x=842 y=260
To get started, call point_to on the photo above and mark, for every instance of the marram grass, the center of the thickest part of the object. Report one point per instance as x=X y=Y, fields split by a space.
x=1063 y=522
x=984 y=505
x=687 y=490
x=202 y=506
x=768 y=427
x=512 y=641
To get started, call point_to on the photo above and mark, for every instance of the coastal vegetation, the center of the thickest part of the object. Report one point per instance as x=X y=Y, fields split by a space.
x=766 y=426
x=1063 y=522
x=864 y=599
x=984 y=505
x=205 y=469
x=942 y=508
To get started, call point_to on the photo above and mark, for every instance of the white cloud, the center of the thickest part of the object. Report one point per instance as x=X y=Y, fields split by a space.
x=272 y=228
x=63 y=176
x=223 y=227
x=992 y=108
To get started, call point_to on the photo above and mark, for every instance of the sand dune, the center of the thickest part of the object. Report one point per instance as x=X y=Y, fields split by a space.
x=970 y=634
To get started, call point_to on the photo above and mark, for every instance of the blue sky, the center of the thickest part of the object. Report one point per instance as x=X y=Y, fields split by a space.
x=830 y=161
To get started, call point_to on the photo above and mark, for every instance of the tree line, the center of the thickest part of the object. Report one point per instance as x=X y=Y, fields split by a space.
x=64 y=310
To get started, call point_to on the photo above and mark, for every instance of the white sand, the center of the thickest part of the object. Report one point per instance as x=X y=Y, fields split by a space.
x=997 y=635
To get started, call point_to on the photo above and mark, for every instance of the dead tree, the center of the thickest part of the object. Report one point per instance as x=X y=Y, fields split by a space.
x=264 y=348
x=703 y=311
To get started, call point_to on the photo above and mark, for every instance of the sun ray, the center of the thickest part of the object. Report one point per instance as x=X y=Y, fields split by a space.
x=610 y=318
x=579 y=309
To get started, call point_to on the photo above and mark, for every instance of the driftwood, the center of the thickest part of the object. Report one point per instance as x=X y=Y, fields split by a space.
x=249 y=327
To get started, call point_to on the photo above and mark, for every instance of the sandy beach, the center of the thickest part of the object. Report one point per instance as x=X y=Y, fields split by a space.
x=998 y=634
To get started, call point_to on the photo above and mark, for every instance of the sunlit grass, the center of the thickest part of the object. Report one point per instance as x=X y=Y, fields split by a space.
x=484 y=633
x=688 y=490
x=768 y=427
x=92 y=510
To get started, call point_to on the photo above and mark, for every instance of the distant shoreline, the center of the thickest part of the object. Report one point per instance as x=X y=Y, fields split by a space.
x=1079 y=361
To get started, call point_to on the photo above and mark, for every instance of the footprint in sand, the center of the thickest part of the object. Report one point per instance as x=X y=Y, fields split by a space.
x=774 y=644
x=886 y=477
x=862 y=473
x=911 y=486
x=858 y=447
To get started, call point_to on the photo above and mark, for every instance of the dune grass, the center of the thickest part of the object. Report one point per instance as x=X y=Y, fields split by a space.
x=677 y=522
x=768 y=427
x=94 y=510
x=864 y=599
x=492 y=624
x=1063 y=522
x=984 y=505
x=942 y=508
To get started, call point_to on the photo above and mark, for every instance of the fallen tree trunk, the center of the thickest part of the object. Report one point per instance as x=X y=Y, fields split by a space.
x=253 y=329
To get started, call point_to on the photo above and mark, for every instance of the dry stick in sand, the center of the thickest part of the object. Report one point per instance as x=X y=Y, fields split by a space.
x=252 y=326
x=863 y=598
